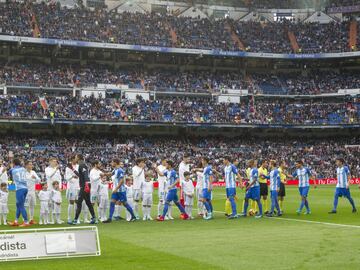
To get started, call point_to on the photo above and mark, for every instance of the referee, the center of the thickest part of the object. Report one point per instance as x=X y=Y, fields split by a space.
x=84 y=193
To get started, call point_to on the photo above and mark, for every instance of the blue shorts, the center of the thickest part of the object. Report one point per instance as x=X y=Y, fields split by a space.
x=172 y=196
x=304 y=191
x=230 y=192
x=119 y=197
x=253 y=193
x=206 y=194
x=342 y=192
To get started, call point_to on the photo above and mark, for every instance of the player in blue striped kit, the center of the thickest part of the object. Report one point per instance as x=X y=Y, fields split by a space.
x=275 y=181
x=206 y=181
x=173 y=181
x=119 y=193
x=342 y=186
x=253 y=189
x=303 y=174
x=231 y=172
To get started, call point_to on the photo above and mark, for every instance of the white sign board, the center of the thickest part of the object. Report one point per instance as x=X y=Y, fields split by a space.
x=49 y=243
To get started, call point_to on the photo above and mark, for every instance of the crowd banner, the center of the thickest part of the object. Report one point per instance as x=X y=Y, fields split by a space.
x=158 y=49
x=51 y=243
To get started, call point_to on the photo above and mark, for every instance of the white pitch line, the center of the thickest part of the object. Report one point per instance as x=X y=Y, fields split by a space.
x=308 y=221
x=319 y=222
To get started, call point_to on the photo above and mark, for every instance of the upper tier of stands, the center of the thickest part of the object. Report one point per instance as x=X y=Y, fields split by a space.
x=55 y=21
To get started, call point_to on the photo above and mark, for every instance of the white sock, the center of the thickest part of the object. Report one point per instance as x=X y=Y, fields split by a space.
x=105 y=210
x=46 y=218
x=70 y=209
x=85 y=211
x=31 y=211
x=200 y=207
x=136 y=209
x=159 y=208
x=57 y=217
x=144 y=211
x=169 y=211
x=5 y=218
x=189 y=210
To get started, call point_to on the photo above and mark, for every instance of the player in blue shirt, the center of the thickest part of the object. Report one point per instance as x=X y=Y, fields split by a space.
x=173 y=180
x=119 y=193
x=253 y=189
x=231 y=172
x=18 y=175
x=275 y=181
x=206 y=181
x=342 y=187
x=303 y=174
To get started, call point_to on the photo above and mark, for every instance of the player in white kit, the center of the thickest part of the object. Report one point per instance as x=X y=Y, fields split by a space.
x=187 y=187
x=161 y=188
x=95 y=180
x=147 y=188
x=72 y=189
x=44 y=198
x=200 y=205
x=3 y=172
x=32 y=179
x=129 y=196
x=52 y=173
x=4 y=196
x=138 y=174
x=56 y=200
x=103 y=198
x=184 y=166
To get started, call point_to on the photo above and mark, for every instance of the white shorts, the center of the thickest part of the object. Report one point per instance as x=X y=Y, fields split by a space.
x=72 y=194
x=44 y=207
x=137 y=195
x=189 y=201
x=4 y=209
x=162 y=196
x=30 y=199
x=94 y=196
x=103 y=201
x=147 y=199
x=57 y=209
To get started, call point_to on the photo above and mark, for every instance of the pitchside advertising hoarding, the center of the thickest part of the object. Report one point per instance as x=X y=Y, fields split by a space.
x=30 y=244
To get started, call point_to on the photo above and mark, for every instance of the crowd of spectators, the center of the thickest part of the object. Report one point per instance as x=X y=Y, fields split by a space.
x=15 y=19
x=155 y=29
x=269 y=37
x=318 y=154
x=182 y=110
x=324 y=38
x=42 y=75
x=61 y=75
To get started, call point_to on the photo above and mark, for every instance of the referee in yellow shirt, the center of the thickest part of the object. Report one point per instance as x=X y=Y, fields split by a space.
x=263 y=171
x=281 y=194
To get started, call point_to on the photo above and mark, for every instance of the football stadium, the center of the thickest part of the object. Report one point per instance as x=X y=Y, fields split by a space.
x=183 y=134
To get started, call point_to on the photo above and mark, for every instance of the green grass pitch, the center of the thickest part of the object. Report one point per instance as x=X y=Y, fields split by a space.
x=245 y=243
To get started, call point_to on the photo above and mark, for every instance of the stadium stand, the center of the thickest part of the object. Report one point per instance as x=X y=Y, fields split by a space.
x=55 y=21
